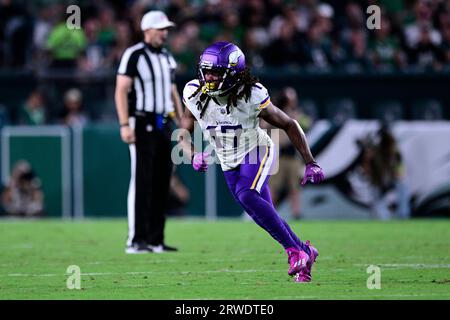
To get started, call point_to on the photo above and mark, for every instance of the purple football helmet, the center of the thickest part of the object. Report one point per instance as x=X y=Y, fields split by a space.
x=227 y=60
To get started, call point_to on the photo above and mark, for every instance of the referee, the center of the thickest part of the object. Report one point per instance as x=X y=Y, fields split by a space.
x=147 y=102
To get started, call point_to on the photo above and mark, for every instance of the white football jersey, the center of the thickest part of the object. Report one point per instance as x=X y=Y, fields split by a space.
x=232 y=131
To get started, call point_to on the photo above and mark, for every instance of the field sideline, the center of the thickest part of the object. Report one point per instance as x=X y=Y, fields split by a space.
x=228 y=259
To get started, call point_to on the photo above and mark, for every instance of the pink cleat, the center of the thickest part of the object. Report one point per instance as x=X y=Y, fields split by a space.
x=297 y=260
x=305 y=274
x=302 y=277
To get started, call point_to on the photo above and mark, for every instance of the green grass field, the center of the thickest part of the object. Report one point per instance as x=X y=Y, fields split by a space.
x=228 y=259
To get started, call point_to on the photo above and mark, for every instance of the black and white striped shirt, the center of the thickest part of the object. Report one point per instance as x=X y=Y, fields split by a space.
x=153 y=72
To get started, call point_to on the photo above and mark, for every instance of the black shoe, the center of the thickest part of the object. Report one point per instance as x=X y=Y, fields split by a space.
x=169 y=248
x=137 y=248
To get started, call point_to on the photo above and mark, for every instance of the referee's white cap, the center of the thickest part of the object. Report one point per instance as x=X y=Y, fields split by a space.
x=155 y=20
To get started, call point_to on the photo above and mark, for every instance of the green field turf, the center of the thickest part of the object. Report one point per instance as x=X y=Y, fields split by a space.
x=229 y=259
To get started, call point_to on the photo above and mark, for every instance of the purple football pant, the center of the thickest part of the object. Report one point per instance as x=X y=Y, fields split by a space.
x=249 y=184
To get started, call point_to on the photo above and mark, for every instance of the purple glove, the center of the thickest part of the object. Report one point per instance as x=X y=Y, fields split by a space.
x=313 y=173
x=199 y=161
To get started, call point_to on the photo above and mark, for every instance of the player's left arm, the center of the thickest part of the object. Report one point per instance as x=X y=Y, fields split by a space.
x=281 y=120
x=199 y=159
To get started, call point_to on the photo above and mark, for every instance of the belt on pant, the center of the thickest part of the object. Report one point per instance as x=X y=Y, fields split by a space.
x=157 y=120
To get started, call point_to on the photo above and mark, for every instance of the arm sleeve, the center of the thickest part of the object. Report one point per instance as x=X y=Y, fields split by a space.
x=128 y=64
x=260 y=97
x=188 y=90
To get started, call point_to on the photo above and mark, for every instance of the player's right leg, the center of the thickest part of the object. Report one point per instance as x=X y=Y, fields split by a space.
x=305 y=274
x=265 y=193
x=246 y=184
x=311 y=251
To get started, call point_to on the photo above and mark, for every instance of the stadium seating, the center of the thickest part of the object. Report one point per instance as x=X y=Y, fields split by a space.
x=4 y=116
x=340 y=110
x=310 y=107
x=387 y=110
x=428 y=109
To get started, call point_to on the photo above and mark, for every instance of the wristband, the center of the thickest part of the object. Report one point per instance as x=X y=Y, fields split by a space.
x=124 y=125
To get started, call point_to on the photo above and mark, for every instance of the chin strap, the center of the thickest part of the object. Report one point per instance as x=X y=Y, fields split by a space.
x=216 y=93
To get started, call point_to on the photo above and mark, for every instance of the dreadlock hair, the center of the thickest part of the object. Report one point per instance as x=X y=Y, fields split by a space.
x=244 y=78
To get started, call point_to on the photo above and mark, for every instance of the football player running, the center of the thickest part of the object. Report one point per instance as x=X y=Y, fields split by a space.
x=226 y=100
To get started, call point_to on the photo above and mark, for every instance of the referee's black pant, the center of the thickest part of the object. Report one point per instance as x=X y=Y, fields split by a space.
x=151 y=170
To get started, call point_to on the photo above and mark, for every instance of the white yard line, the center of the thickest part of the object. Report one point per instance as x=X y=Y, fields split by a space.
x=361 y=296
x=407 y=265
x=152 y=261
x=139 y=272
x=385 y=265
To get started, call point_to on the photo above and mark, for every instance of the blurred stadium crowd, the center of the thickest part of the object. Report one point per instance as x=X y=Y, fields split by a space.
x=321 y=50
x=284 y=38
x=328 y=35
